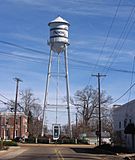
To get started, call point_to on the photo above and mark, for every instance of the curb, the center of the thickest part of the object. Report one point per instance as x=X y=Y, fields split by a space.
x=11 y=152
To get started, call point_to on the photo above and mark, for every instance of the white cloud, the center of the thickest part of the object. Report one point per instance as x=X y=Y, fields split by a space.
x=30 y=56
x=24 y=56
x=79 y=7
x=27 y=37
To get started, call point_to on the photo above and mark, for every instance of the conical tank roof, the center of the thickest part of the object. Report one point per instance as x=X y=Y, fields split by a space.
x=59 y=20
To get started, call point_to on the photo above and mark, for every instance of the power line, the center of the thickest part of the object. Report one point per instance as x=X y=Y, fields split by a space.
x=108 y=33
x=131 y=82
x=88 y=64
x=119 y=49
x=4 y=97
x=24 y=48
x=38 y=60
x=79 y=62
x=22 y=57
x=3 y=102
x=123 y=35
x=124 y=93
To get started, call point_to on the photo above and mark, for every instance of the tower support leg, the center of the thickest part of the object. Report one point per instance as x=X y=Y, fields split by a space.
x=67 y=90
x=46 y=90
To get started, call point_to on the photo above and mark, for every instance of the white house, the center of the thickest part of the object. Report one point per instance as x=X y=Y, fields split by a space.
x=123 y=117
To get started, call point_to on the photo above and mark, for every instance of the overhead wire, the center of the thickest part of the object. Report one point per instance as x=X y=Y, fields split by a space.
x=38 y=51
x=4 y=97
x=88 y=64
x=131 y=82
x=128 y=90
x=3 y=102
x=107 y=35
x=132 y=76
x=108 y=68
x=25 y=48
x=123 y=94
x=123 y=36
x=77 y=61
x=126 y=35
x=22 y=57
x=74 y=60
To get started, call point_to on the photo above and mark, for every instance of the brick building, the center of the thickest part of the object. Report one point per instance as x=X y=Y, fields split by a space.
x=7 y=123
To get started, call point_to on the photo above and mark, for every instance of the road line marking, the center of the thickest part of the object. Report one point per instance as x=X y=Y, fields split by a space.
x=58 y=154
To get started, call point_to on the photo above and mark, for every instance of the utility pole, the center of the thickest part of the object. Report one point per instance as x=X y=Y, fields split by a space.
x=76 y=130
x=76 y=118
x=15 y=109
x=99 y=106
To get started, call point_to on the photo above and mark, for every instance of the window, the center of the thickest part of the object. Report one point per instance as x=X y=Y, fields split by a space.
x=7 y=133
x=16 y=121
x=125 y=123
x=16 y=133
x=119 y=124
x=7 y=120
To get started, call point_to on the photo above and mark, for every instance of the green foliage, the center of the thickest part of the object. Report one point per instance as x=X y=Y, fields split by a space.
x=9 y=143
x=43 y=140
x=66 y=141
x=30 y=140
x=71 y=141
x=82 y=141
x=39 y=140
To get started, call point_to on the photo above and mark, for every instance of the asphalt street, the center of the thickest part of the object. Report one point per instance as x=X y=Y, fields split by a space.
x=53 y=152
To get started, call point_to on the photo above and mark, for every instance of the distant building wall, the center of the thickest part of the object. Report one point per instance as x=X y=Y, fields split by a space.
x=122 y=116
x=7 y=123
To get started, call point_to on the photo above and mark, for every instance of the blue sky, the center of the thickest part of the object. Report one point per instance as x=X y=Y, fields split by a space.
x=25 y=23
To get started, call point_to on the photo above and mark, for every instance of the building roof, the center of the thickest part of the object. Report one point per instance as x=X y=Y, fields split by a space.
x=59 y=20
x=12 y=113
x=128 y=104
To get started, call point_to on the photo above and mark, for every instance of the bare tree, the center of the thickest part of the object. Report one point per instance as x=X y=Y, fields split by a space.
x=86 y=102
x=11 y=105
x=32 y=108
x=29 y=103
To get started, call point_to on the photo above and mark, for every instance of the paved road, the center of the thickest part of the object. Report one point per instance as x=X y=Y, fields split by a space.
x=52 y=153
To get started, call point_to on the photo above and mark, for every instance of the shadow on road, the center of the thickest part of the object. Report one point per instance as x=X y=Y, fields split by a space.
x=92 y=151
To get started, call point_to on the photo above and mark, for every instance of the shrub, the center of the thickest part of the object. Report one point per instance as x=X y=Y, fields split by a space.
x=9 y=143
x=30 y=140
x=82 y=141
x=43 y=140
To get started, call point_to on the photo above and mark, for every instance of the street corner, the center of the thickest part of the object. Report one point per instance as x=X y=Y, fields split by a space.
x=11 y=152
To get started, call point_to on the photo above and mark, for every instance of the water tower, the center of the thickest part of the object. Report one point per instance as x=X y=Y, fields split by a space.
x=58 y=43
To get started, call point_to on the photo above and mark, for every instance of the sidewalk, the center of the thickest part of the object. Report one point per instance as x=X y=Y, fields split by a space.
x=11 y=152
x=128 y=156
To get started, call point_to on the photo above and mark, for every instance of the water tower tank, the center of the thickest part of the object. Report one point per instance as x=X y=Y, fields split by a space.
x=58 y=34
